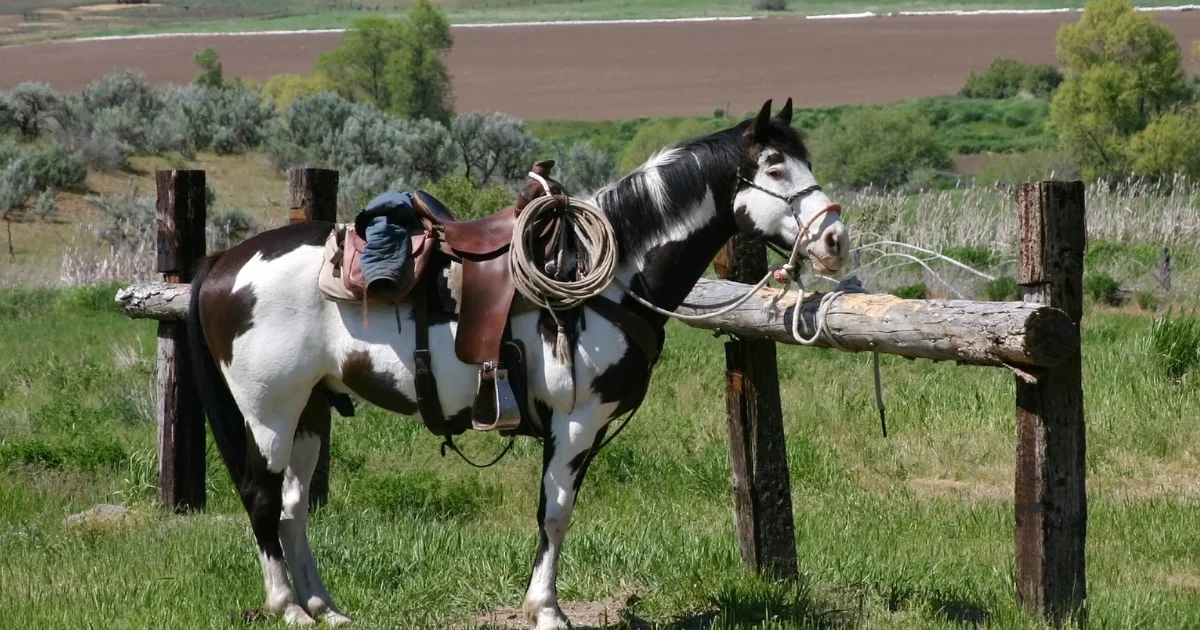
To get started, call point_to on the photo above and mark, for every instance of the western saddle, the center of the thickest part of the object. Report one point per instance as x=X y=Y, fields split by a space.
x=486 y=301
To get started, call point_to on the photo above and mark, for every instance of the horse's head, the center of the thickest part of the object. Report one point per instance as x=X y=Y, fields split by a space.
x=778 y=198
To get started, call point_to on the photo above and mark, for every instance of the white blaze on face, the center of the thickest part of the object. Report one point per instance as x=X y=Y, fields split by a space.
x=826 y=239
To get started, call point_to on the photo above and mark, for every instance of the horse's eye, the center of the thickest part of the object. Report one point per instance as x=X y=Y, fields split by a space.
x=775 y=173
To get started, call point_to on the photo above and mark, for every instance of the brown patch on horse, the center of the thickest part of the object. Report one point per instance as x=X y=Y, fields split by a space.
x=226 y=313
x=378 y=388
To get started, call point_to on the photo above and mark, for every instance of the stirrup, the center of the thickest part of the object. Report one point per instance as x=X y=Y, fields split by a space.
x=496 y=406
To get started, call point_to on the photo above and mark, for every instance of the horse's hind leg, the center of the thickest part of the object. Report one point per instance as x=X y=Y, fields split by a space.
x=268 y=451
x=293 y=524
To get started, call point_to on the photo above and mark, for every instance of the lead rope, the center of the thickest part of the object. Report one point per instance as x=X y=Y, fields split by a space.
x=844 y=287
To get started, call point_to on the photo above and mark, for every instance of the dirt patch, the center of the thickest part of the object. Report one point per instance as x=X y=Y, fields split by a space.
x=605 y=613
x=1186 y=581
x=604 y=72
x=968 y=491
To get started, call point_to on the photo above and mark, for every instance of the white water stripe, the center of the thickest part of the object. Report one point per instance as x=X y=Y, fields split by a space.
x=105 y=38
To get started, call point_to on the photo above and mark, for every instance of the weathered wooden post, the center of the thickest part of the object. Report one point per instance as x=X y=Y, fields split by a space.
x=1051 y=497
x=181 y=434
x=1165 y=267
x=762 y=491
x=312 y=196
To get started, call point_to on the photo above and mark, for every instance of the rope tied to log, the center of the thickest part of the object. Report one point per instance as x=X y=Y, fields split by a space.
x=845 y=286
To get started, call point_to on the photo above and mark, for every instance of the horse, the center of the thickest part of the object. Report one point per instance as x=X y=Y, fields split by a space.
x=268 y=350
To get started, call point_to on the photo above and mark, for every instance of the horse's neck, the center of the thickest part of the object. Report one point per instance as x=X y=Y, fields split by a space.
x=666 y=274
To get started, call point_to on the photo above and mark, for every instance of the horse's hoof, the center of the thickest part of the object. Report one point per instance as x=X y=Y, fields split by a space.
x=294 y=615
x=335 y=619
x=546 y=618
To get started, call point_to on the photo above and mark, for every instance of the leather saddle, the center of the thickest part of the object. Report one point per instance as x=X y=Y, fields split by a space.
x=485 y=302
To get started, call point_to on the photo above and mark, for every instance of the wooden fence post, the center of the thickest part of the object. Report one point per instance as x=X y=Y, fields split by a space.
x=181 y=433
x=1051 y=498
x=312 y=196
x=1165 y=267
x=762 y=493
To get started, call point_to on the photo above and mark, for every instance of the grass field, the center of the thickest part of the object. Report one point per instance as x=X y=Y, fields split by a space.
x=911 y=531
x=28 y=20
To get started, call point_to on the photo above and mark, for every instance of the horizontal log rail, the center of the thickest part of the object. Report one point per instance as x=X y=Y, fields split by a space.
x=1016 y=334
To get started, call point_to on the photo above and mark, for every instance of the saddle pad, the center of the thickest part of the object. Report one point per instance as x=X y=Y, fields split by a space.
x=331 y=286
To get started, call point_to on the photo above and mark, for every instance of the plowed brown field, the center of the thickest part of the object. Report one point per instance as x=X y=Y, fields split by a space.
x=592 y=72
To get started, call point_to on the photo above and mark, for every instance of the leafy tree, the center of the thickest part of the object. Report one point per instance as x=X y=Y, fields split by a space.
x=1169 y=144
x=421 y=81
x=211 y=74
x=358 y=67
x=1123 y=68
x=395 y=64
x=873 y=146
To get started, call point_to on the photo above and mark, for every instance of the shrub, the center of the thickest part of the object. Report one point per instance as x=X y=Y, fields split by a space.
x=129 y=218
x=1146 y=300
x=467 y=201
x=56 y=167
x=769 y=5
x=654 y=135
x=582 y=168
x=1102 y=288
x=873 y=146
x=285 y=89
x=360 y=185
x=230 y=120
x=230 y=227
x=312 y=121
x=428 y=151
x=1002 y=289
x=493 y=147
x=8 y=115
x=32 y=103
x=916 y=291
x=125 y=89
x=368 y=138
x=1007 y=78
x=1175 y=344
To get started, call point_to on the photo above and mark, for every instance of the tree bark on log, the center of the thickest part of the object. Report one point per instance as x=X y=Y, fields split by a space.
x=1014 y=334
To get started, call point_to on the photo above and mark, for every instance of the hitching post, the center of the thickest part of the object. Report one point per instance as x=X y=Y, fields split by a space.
x=762 y=495
x=312 y=196
x=1051 y=498
x=181 y=435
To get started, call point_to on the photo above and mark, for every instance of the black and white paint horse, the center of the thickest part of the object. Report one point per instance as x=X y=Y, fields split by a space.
x=268 y=346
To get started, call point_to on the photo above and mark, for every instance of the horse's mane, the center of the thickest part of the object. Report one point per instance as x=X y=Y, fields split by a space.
x=657 y=196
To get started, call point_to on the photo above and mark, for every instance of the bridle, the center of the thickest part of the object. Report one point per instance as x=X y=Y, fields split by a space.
x=803 y=192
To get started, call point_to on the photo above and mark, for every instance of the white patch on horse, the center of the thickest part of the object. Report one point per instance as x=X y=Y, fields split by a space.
x=656 y=187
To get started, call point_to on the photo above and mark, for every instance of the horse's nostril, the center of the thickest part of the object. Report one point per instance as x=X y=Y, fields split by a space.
x=831 y=241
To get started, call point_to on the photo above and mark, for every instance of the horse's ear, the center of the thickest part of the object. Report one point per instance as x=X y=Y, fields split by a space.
x=785 y=114
x=762 y=121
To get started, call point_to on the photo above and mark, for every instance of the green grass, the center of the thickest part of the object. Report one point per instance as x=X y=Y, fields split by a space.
x=912 y=531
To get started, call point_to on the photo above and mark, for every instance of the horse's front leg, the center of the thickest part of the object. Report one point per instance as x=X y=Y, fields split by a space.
x=566 y=455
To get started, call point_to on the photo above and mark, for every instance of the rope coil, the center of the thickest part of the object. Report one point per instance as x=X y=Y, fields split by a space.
x=598 y=261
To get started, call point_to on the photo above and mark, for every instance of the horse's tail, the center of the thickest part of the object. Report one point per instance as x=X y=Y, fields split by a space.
x=224 y=417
